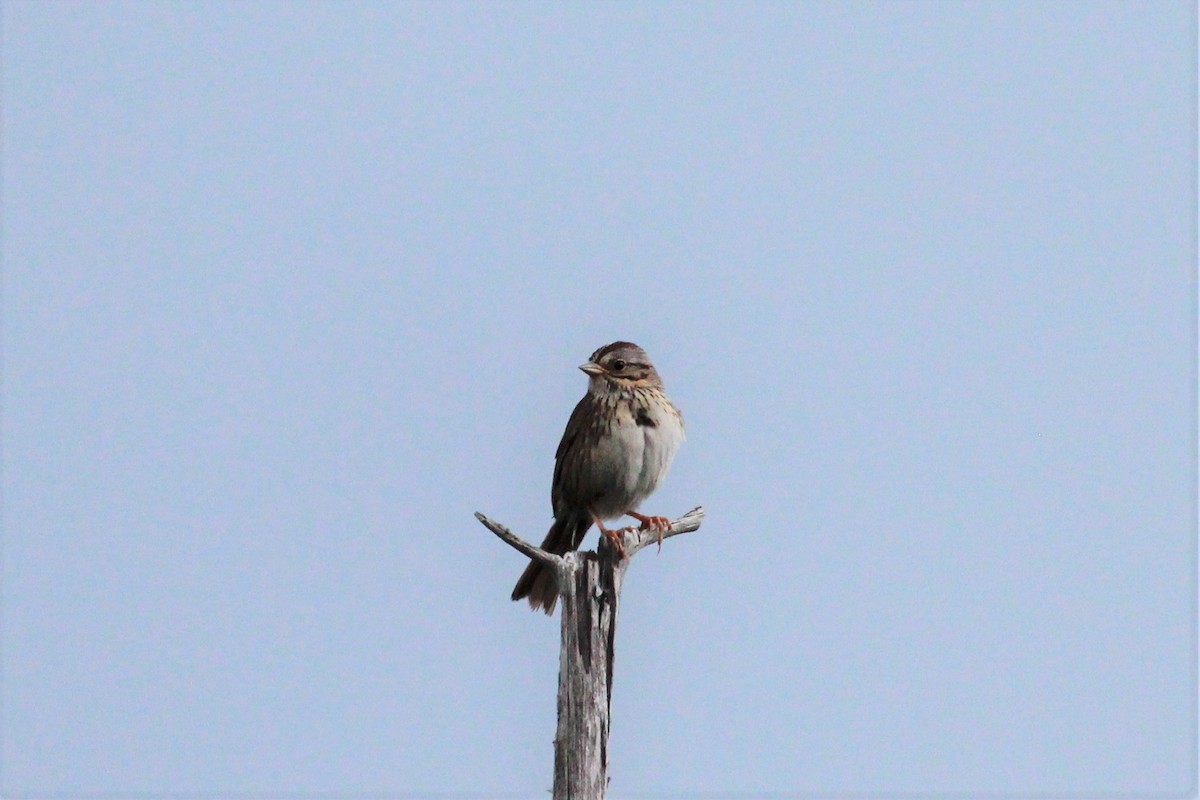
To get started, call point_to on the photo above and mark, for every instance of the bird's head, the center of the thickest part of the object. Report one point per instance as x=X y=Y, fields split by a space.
x=620 y=365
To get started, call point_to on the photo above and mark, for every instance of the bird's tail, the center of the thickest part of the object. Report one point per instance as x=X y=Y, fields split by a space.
x=537 y=582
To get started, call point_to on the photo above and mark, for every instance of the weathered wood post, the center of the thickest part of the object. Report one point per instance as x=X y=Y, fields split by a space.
x=589 y=585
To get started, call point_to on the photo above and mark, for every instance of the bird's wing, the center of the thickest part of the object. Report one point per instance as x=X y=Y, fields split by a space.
x=570 y=451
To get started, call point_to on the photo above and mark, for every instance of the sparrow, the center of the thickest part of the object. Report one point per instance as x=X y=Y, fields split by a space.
x=618 y=446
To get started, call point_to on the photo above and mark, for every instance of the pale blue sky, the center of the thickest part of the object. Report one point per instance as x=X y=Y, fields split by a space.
x=290 y=290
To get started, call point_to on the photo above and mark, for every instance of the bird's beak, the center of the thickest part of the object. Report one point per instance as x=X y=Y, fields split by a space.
x=592 y=368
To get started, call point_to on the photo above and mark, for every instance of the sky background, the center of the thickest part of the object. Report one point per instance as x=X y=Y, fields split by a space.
x=290 y=290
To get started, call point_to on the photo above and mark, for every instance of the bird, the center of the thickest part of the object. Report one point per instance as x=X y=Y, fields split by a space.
x=618 y=445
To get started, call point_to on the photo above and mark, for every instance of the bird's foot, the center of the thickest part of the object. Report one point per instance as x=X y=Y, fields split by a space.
x=618 y=540
x=614 y=536
x=658 y=524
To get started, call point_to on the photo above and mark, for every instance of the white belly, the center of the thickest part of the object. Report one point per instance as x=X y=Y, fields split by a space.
x=633 y=460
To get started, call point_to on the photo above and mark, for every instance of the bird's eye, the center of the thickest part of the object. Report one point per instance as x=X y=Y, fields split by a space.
x=618 y=365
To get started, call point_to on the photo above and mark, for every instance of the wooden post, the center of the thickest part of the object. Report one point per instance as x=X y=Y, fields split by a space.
x=589 y=585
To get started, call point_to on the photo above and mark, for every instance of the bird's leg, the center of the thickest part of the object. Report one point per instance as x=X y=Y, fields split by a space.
x=615 y=536
x=658 y=524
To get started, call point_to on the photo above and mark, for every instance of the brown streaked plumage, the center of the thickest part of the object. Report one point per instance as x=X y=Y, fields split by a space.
x=617 y=447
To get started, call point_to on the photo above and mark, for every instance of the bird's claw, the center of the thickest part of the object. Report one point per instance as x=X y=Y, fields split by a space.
x=660 y=525
x=617 y=538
